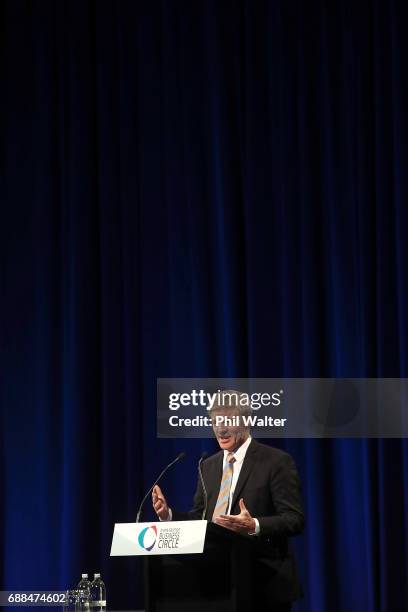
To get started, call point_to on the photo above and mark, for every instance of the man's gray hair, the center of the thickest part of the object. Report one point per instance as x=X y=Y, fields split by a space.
x=231 y=399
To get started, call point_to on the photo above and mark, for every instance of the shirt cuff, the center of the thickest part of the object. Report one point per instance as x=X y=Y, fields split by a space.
x=257 y=528
x=169 y=516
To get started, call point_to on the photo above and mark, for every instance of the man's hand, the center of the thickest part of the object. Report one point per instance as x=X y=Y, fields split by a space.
x=159 y=504
x=242 y=522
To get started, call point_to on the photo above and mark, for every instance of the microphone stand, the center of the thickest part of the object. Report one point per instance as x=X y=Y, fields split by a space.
x=160 y=476
x=200 y=473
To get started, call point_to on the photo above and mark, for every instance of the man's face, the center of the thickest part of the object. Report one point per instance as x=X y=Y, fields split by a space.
x=229 y=436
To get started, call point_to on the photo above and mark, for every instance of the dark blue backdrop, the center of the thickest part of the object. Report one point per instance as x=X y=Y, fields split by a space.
x=207 y=188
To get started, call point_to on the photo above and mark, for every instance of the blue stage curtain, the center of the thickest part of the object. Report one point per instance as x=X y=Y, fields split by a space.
x=206 y=188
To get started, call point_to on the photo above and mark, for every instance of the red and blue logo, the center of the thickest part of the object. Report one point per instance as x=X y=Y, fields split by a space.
x=147 y=537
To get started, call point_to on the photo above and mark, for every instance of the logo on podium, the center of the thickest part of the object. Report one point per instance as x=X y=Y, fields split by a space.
x=147 y=537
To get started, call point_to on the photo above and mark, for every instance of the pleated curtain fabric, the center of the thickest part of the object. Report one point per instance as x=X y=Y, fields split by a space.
x=225 y=487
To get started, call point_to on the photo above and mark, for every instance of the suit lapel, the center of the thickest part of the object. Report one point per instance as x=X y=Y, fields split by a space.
x=249 y=462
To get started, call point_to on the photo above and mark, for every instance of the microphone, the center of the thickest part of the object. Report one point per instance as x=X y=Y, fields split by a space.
x=179 y=457
x=204 y=455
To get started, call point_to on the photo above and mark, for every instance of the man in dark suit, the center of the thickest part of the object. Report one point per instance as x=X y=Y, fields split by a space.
x=253 y=489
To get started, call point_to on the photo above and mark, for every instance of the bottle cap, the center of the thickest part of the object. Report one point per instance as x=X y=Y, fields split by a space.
x=97 y=575
x=84 y=575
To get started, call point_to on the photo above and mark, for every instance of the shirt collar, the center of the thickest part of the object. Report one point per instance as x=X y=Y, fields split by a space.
x=240 y=453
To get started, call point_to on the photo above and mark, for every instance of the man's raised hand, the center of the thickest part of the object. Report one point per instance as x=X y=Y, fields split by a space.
x=160 y=504
x=242 y=522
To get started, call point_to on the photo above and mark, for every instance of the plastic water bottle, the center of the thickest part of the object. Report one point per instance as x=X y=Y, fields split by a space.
x=98 y=594
x=84 y=583
x=83 y=594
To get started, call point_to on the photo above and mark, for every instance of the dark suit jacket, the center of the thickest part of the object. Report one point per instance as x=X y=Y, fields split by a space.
x=270 y=486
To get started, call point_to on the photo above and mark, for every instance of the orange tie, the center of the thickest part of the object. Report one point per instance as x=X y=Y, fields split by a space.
x=225 y=487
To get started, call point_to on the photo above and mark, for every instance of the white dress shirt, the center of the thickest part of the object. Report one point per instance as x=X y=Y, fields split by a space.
x=239 y=456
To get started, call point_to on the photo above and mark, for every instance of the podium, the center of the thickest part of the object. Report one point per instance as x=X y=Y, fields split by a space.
x=221 y=579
